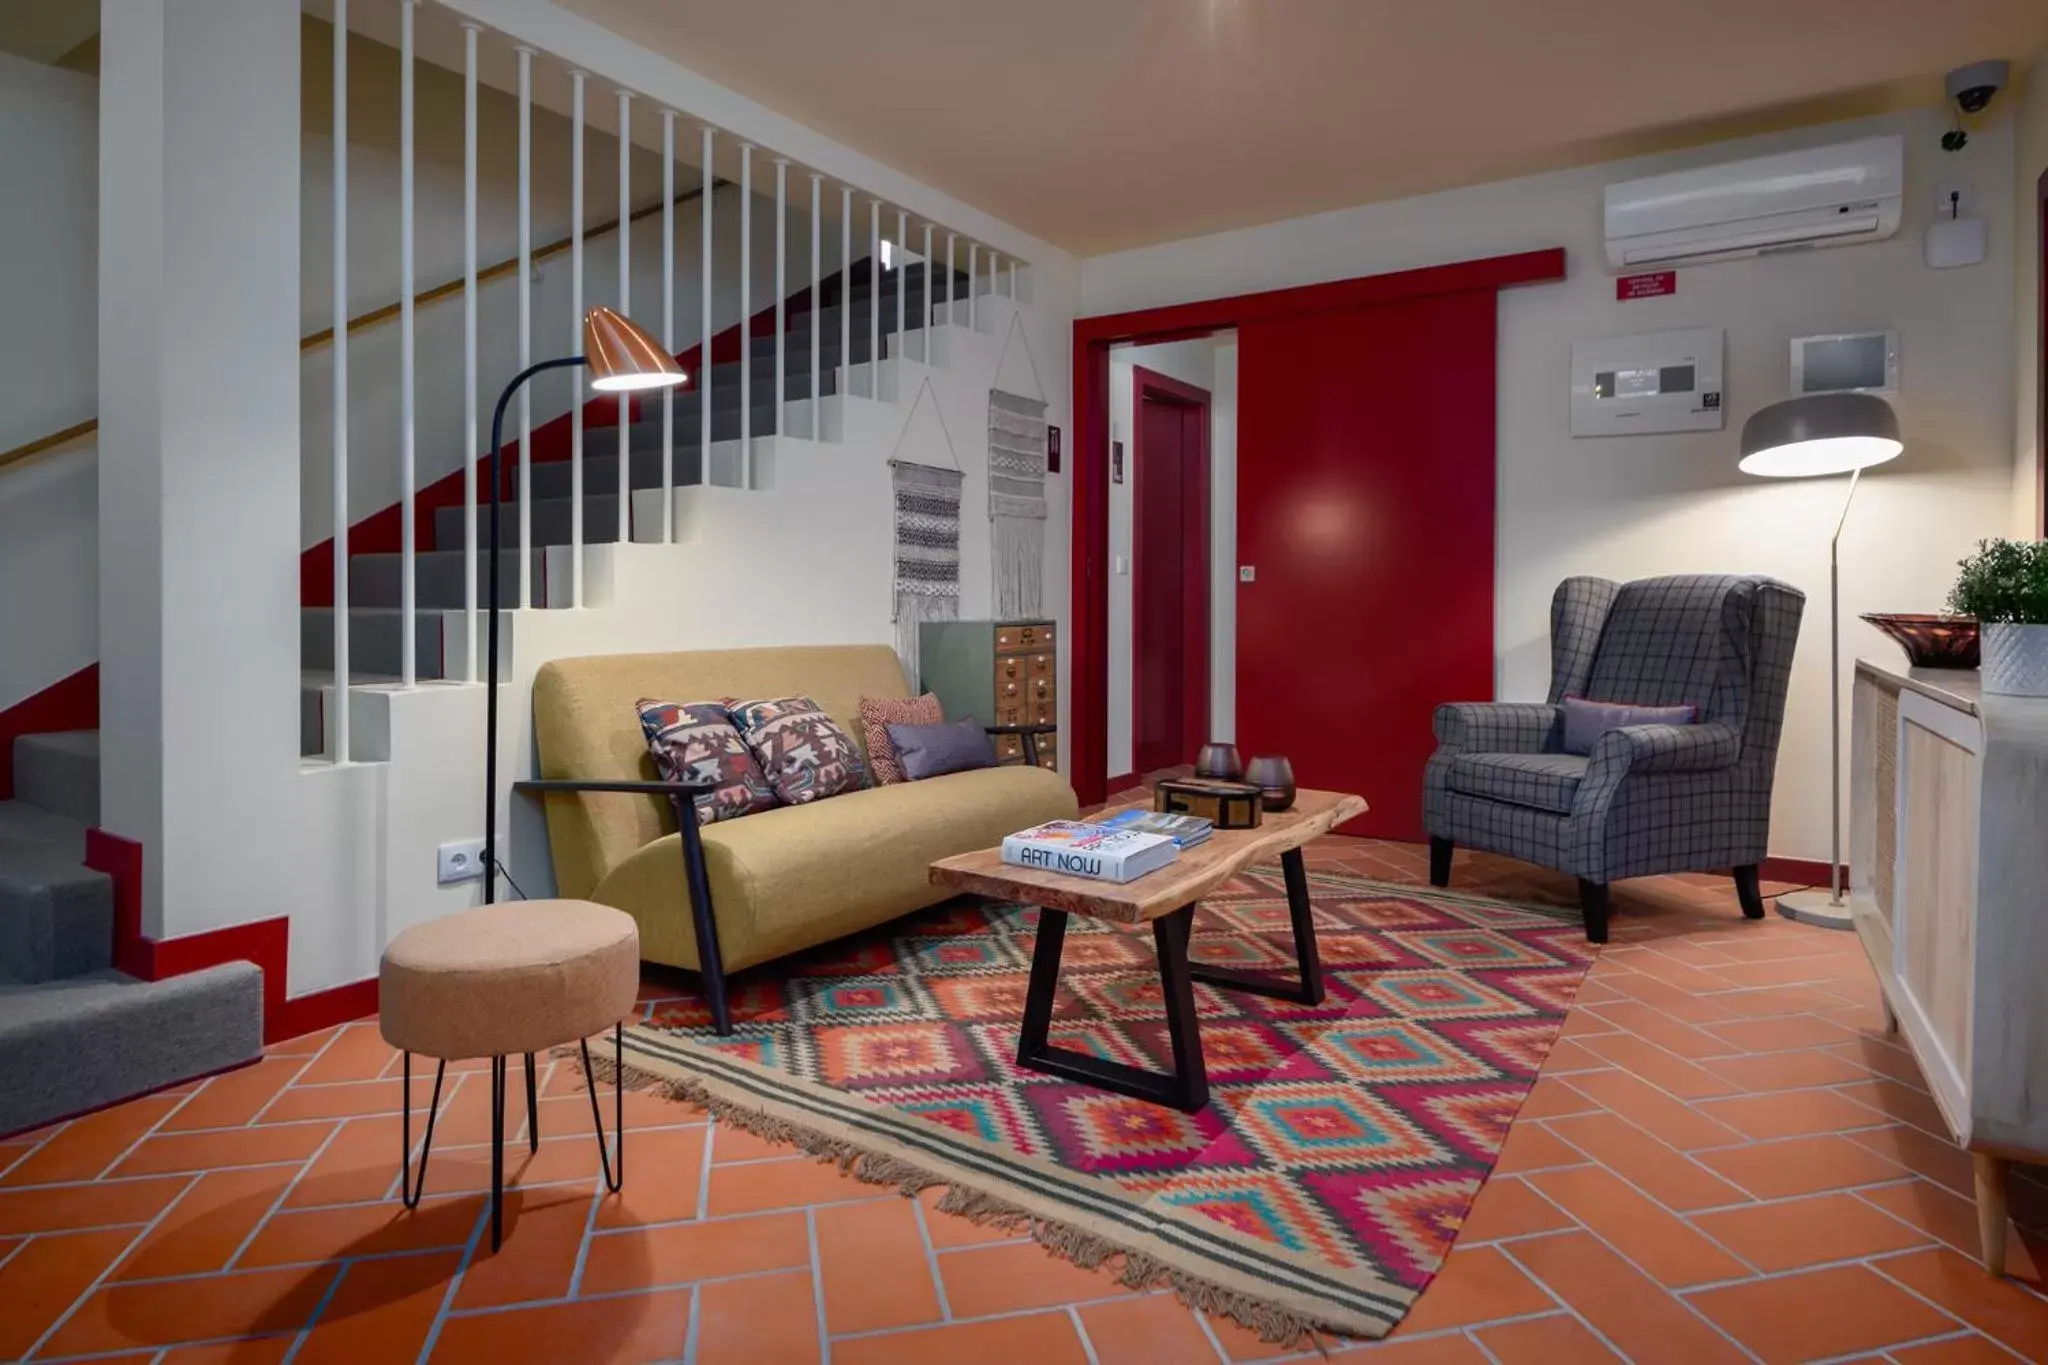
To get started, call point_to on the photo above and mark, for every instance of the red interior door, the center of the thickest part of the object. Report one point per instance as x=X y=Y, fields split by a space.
x=1366 y=507
x=1163 y=460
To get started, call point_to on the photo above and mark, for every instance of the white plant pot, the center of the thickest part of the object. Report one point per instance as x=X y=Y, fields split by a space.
x=2014 y=659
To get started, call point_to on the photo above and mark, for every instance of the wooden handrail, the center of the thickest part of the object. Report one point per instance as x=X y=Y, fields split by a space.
x=325 y=336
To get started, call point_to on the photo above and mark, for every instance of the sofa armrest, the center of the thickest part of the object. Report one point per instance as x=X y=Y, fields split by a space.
x=1494 y=727
x=1633 y=749
x=1030 y=733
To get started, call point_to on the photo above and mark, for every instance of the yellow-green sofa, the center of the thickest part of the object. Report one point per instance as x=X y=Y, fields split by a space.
x=780 y=880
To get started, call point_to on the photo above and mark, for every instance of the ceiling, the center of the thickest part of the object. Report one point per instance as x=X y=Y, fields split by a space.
x=1102 y=124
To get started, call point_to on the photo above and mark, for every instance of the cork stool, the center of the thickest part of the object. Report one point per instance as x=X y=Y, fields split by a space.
x=520 y=977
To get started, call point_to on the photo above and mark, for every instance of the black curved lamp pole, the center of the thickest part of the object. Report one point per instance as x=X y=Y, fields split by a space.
x=491 y=696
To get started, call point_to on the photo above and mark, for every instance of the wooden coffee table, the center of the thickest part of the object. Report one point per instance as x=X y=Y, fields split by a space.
x=1166 y=900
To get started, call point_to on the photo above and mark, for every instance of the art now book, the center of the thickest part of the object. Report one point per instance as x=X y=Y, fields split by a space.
x=1084 y=850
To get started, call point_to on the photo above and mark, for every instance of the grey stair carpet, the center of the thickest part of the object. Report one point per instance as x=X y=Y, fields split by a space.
x=56 y=915
x=375 y=637
x=60 y=772
x=90 y=1041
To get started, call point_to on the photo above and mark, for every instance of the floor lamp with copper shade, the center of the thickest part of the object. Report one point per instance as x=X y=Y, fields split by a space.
x=1803 y=438
x=621 y=358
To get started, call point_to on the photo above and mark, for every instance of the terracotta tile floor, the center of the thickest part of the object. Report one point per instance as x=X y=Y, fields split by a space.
x=1724 y=1160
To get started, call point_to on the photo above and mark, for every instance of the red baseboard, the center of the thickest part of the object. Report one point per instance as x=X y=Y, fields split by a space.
x=1123 y=782
x=71 y=703
x=1803 y=871
x=267 y=943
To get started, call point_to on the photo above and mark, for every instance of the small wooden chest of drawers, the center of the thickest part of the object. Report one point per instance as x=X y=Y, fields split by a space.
x=999 y=672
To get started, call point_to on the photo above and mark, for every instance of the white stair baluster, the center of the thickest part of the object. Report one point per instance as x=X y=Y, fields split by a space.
x=576 y=338
x=846 y=291
x=525 y=325
x=930 y=300
x=973 y=279
x=469 y=439
x=340 y=751
x=746 y=315
x=703 y=377
x=668 y=322
x=408 y=647
x=902 y=277
x=875 y=299
x=781 y=285
x=950 y=239
x=817 y=311
x=625 y=307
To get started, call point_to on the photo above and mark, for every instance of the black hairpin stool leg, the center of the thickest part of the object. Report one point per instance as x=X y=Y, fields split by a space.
x=532 y=1107
x=614 y=1171
x=497 y=1152
x=410 y=1187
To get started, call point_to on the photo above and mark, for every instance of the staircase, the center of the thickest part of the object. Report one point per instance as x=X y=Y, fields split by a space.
x=74 y=1033
x=376 y=618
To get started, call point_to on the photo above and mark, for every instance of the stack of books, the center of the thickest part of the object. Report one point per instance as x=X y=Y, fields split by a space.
x=1185 y=830
x=1084 y=850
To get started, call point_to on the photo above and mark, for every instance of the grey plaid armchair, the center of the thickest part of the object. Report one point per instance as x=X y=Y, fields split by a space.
x=1649 y=798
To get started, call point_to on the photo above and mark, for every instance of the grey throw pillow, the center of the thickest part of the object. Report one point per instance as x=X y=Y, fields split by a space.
x=1585 y=721
x=933 y=750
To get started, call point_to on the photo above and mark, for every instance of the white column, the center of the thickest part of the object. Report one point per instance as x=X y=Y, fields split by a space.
x=951 y=237
x=407 y=480
x=875 y=298
x=576 y=338
x=469 y=438
x=703 y=378
x=817 y=305
x=930 y=302
x=198 y=494
x=525 y=325
x=340 y=748
x=781 y=286
x=625 y=307
x=1012 y=264
x=668 y=322
x=846 y=290
x=746 y=315
x=902 y=279
x=973 y=279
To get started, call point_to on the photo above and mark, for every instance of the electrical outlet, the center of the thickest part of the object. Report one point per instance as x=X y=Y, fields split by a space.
x=1963 y=206
x=1247 y=573
x=461 y=861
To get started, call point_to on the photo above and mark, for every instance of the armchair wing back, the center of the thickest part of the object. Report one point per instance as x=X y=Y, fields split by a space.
x=1649 y=798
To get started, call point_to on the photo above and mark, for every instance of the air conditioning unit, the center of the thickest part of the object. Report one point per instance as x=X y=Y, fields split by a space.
x=1793 y=201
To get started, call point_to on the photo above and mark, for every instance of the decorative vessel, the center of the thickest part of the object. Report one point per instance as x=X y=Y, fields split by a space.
x=1273 y=775
x=1931 y=641
x=1219 y=762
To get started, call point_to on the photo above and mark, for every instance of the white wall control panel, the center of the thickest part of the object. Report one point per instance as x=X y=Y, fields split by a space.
x=1846 y=362
x=1659 y=381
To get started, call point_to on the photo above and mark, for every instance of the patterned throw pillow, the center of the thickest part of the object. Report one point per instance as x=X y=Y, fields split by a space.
x=877 y=714
x=803 y=752
x=696 y=740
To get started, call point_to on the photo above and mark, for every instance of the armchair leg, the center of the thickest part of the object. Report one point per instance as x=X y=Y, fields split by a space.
x=1593 y=901
x=1747 y=892
x=1440 y=861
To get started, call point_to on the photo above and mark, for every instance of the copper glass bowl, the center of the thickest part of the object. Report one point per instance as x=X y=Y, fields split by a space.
x=1930 y=641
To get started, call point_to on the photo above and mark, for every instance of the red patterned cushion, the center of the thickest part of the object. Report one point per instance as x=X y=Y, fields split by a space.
x=696 y=740
x=877 y=714
x=802 y=751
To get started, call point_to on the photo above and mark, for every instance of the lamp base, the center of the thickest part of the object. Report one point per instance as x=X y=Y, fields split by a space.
x=1813 y=907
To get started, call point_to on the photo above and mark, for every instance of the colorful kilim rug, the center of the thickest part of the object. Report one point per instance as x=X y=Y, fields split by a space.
x=1320 y=1188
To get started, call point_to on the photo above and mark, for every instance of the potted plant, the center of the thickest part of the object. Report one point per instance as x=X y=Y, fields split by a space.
x=2005 y=586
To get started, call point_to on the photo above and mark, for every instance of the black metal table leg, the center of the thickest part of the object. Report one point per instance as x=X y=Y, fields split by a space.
x=1187 y=1088
x=1307 y=988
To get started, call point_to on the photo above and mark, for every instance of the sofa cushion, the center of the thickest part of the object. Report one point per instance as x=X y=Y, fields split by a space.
x=806 y=755
x=1539 y=781
x=1585 y=720
x=928 y=751
x=696 y=742
x=789 y=878
x=877 y=714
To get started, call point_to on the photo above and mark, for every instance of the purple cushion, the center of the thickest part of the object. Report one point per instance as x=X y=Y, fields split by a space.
x=1585 y=721
x=934 y=750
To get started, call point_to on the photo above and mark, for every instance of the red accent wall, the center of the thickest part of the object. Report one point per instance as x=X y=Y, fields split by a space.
x=1365 y=498
x=1088 y=630
x=71 y=703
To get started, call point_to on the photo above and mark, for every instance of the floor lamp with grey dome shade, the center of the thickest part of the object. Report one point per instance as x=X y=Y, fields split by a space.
x=1803 y=438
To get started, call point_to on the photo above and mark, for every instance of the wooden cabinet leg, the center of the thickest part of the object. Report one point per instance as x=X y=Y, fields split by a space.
x=1990 y=1172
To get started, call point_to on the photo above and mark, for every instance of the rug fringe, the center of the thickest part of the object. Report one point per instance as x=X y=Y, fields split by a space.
x=1137 y=1270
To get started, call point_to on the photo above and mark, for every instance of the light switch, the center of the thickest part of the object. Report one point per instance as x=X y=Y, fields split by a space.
x=1247 y=573
x=1121 y=564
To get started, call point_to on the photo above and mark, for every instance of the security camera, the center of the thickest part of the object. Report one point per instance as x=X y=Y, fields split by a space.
x=1972 y=86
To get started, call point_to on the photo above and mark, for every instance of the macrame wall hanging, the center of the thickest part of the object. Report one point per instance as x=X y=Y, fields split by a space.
x=1016 y=490
x=927 y=578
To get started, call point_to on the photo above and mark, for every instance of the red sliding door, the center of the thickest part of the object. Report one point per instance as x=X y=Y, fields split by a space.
x=1365 y=504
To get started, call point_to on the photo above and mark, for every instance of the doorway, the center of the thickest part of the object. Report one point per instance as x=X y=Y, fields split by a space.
x=1169 y=471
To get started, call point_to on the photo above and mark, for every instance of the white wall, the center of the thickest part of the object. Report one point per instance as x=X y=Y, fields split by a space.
x=2030 y=153
x=49 y=329
x=1629 y=507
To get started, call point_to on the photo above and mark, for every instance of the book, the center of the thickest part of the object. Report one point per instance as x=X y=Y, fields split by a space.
x=1078 y=849
x=1185 y=830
